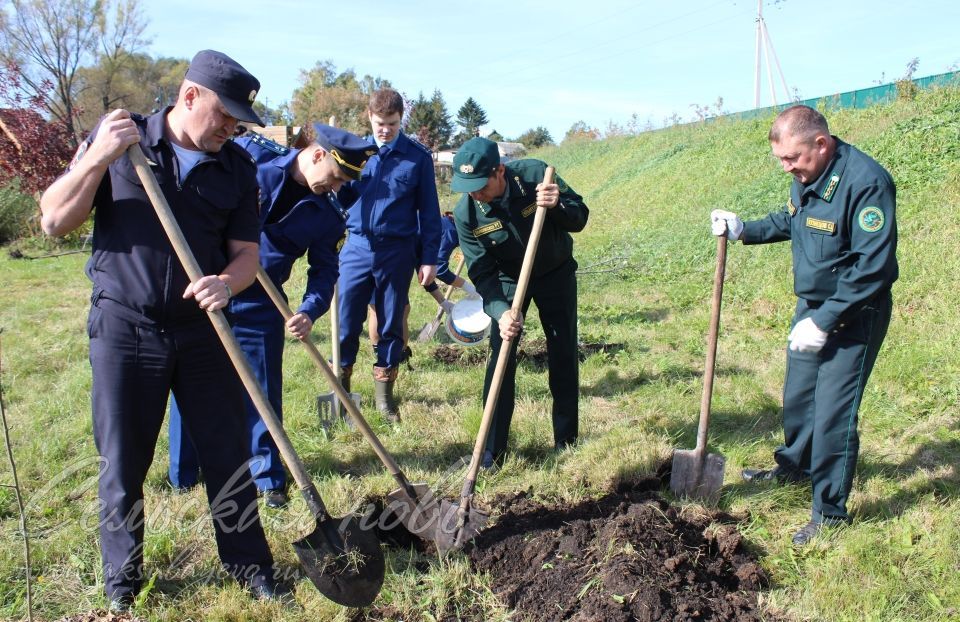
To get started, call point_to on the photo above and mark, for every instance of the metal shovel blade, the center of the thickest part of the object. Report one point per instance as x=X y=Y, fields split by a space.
x=696 y=475
x=429 y=330
x=457 y=527
x=326 y=409
x=344 y=561
x=420 y=514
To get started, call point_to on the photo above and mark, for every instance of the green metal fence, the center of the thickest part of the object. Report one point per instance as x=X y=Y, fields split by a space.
x=861 y=98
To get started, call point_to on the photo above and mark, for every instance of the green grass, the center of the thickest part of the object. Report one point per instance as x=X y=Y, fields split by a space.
x=650 y=198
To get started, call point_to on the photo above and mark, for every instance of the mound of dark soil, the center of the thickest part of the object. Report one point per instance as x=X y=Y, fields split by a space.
x=533 y=352
x=626 y=556
x=100 y=616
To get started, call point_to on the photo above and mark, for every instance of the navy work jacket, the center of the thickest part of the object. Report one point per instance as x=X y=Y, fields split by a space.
x=133 y=264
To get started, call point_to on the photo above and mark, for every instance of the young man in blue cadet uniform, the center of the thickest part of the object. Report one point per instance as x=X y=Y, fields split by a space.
x=392 y=207
x=148 y=326
x=841 y=221
x=297 y=218
x=448 y=243
x=494 y=219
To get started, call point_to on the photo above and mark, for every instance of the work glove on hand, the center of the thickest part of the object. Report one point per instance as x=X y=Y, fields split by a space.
x=447 y=306
x=806 y=337
x=722 y=221
x=469 y=288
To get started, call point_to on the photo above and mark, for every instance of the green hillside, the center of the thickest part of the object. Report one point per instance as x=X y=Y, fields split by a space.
x=647 y=261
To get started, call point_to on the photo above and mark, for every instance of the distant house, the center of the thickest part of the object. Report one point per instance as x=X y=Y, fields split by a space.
x=286 y=135
x=508 y=152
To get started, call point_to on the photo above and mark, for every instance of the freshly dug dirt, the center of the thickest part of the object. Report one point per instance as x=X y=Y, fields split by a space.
x=100 y=616
x=626 y=556
x=533 y=352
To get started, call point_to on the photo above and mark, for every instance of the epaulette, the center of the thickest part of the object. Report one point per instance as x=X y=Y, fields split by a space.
x=419 y=144
x=262 y=141
x=337 y=206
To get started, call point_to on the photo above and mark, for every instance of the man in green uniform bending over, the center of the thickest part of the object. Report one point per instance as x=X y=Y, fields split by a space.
x=494 y=219
x=840 y=219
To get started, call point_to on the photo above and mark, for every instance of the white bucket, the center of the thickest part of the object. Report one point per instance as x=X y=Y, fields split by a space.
x=468 y=324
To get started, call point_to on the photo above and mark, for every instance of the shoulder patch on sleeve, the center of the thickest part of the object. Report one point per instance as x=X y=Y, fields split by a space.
x=791 y=208
x=871 y=219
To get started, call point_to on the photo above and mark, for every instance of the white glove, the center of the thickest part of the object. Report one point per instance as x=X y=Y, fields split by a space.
x=469 y=288
x=447 y=306
x=806 y=337
x=722 y=221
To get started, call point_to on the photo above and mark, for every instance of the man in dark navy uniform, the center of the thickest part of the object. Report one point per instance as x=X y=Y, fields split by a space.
x=841 y=221
x=148 y=326
x=494 y=219
x=394 y=202
x=297 y=218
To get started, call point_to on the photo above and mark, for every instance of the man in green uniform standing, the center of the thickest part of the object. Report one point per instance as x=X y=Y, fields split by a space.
x=494 y=219
x=841 y=220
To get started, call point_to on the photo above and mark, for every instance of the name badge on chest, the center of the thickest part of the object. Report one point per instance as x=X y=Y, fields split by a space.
x=826 y=226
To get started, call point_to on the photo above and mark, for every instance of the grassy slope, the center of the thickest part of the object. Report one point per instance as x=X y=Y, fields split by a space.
x=650 y=197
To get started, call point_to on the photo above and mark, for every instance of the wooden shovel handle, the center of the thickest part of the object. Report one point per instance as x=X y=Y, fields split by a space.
x=226 y=335
x=526 y=268
x=711 y=363
x=450 y=288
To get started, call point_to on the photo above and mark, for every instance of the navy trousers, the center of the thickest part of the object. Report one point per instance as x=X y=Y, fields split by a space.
x=383 y=270
x=259 y=329
x=134 y=370
x=821 y=397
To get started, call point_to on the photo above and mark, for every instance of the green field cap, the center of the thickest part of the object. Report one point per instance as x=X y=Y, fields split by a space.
x=476 y=160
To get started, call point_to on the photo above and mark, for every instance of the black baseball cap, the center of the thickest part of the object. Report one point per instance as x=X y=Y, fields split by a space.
x=236 y=87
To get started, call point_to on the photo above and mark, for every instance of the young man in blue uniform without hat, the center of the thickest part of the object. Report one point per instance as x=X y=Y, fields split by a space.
x=392 y=208
x=840 y=218
x=298 y=216
x=148 y=326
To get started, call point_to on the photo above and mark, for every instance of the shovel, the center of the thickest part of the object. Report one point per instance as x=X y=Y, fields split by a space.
x=695 y=473
x=344 y=561
x=413 y=504
x=428 y=331
x=328 y=406
x=461 y=523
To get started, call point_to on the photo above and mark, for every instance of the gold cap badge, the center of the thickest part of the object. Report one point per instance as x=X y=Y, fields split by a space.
x=466 y=169
x=253 y=94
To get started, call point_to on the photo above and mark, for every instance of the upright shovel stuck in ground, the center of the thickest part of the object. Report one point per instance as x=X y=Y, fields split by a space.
x=428 y=331
x=461 y=523
x=413 y=504
x=344 y=561
x=695 y=473
x=328 y=405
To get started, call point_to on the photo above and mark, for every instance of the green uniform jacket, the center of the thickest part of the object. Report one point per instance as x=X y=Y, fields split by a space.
x=844 y=232
x=493 y=236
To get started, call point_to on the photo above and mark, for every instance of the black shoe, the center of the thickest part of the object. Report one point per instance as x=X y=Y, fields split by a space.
x=275 y=498
x=806 y=534
x=777 y=474
x=266 y=588
x=121 y=604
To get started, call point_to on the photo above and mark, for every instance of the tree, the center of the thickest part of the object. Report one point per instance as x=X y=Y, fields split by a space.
x=324 y=93
x=430 y=122
x=139 y=84
x=581 y=131
x=470 y=117
x=32 y=149
x=49 y=40
x=535 y=138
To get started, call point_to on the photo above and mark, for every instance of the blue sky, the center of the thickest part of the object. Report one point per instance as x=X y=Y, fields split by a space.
x=552 y=64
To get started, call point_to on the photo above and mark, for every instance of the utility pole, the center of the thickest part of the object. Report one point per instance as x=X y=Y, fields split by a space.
x=765 y=47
